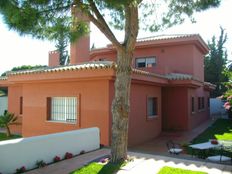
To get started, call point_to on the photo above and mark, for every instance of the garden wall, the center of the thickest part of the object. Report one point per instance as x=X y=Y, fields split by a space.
x=3 y=104
x=26 y=151
x=216 y=107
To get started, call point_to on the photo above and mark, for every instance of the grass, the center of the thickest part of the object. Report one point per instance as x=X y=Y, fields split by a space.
x=172 y=170
x=221 y=130
x=97 y=168
x=4 y=137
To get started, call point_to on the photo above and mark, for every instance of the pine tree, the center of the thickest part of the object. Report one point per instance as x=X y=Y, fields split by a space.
x=215 y=63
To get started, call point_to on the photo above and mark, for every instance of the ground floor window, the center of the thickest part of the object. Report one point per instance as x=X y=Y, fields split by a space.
x=201 y=103
x=62 y=109
x=152 y=107
x=193 y=104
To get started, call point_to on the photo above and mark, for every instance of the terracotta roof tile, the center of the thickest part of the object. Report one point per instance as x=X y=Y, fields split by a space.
x=166 y=37
x=179 y=76
x=83 y=66
x=3 y=78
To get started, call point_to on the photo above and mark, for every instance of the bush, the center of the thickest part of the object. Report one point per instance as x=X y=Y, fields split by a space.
x=21 y=169
x=40 y=164
x=56 y=159
x=68 y=155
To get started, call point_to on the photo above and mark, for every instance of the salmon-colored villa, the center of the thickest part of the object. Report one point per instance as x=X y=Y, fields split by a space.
x=168 y=91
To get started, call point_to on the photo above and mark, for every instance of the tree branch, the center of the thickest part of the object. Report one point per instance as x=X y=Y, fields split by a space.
x=101 y=24
x=99 y=21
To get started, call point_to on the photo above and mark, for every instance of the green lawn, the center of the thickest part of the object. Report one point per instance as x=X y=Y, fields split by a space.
x=221 y=130
x=172 y=170
x=4 y=137
x=96 y=168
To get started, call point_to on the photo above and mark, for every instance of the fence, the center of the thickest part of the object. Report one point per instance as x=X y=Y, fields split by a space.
x=26 y=151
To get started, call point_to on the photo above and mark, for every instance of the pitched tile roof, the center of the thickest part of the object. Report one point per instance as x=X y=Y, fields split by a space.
x=179 y=76
x=98 y=65
x=166 y=37
x=83 y=66
x=3 y=78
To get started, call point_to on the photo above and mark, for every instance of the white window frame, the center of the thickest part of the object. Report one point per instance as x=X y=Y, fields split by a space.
x=146 y=61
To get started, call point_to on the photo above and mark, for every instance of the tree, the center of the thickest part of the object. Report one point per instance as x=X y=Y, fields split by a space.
x=36 y=17
x=215 y=63
x=24 y=67
x=6 y=120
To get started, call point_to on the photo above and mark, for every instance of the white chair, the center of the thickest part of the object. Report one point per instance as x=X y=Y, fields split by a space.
x=174 y=148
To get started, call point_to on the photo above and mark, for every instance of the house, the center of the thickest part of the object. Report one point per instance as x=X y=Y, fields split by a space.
x=168 y=91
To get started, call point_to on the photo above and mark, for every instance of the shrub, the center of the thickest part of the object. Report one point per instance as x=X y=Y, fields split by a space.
x=56 y=159
x=68 y=155
x=40 y=164
x=21 y=169
x=82 y=152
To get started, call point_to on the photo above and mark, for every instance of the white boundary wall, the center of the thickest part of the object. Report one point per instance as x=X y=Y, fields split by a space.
x=26 y=151
x=3 y=104
x=216 y=106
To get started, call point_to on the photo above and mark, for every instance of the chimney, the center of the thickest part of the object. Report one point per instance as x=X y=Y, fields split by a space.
x=80 y=49
x=53 y=58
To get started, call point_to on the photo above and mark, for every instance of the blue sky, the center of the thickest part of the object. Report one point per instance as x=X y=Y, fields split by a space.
x=17 y=50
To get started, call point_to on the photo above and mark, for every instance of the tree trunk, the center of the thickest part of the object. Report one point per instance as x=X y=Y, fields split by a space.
x=8 y=133
x=121 y=106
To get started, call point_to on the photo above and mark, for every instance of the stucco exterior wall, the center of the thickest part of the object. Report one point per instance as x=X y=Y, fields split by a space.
x=141 y=128
x=93 y=107
x=198 y=64
x=14 y=94
x=175 y=108
x=198 y=116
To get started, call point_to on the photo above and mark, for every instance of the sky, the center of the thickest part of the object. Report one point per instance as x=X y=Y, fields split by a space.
x=18 y=50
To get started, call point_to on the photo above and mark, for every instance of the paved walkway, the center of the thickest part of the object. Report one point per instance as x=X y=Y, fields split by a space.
x=142 y=163
x=158 y=145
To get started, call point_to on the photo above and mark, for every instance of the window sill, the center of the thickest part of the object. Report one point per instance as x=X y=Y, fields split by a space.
x=202 y=110
x=152 y=117
x=63 y=122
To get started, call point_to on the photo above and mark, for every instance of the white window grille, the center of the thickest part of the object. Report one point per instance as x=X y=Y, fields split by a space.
x=64 y=109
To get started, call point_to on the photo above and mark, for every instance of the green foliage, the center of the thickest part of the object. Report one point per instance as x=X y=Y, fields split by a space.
x=172 y=170
x=24 y=67
x=228 y=73
x=3 y=137
x=96 y=168
x=43 y=18
x=40 y=164
x=5 y=120
x=215 y=63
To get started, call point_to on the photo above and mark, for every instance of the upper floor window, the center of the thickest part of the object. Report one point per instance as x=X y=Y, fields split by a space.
x=145 y=62
x=62 y=109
